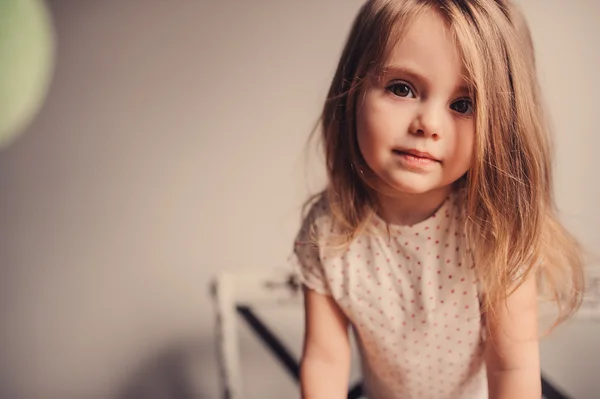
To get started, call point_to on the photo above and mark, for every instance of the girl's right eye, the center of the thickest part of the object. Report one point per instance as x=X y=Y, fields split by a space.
x=401 y=89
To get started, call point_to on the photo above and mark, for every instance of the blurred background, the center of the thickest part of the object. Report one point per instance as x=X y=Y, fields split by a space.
x=170 y=147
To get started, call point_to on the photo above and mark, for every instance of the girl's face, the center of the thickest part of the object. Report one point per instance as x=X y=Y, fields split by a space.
x=415 y=126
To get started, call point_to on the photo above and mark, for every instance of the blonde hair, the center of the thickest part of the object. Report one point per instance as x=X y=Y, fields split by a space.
x=512 y=225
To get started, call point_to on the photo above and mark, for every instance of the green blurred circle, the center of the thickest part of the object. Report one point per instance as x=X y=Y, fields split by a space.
x=26 y=63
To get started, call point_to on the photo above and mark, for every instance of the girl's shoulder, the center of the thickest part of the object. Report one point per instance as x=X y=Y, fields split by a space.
x=317 y=218
x=317 y=207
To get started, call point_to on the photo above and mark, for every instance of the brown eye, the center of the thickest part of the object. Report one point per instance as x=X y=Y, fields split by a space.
x=400 y=89
x=463 y=106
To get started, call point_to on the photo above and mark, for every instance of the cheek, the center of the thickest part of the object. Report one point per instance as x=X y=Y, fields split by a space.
x=362 y=133
x=368 y=131
x=466 y=149
x=463 y=150
x=374 y=128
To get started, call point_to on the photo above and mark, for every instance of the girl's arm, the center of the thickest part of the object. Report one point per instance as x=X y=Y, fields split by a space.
x=326 y=359
x=512 y=349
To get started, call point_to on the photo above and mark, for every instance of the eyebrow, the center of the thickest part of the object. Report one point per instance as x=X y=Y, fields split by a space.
x=414 y=75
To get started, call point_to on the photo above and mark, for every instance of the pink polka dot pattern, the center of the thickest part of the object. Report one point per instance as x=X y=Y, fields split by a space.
x=412 y=298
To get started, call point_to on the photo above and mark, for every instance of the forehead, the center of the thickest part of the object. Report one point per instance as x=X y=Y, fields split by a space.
x=428 y=47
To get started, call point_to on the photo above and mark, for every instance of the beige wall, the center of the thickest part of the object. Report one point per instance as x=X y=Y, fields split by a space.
x=171 y=148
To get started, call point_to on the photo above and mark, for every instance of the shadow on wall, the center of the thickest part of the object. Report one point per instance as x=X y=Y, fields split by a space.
x=169 y=375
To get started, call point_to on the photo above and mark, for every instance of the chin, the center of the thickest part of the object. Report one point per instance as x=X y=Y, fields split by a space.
x=414 y=190
x=396 y=187
x=414 y=185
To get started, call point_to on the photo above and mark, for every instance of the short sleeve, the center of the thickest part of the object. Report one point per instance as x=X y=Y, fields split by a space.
x=306 y=256
x=515 y=279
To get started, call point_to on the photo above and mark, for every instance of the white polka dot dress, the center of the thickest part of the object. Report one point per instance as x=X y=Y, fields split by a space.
x=412 y=300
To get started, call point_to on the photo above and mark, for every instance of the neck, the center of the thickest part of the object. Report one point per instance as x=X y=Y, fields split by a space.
x=410 y=209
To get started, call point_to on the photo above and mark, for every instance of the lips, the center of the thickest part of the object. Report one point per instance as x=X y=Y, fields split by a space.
x=416 y=153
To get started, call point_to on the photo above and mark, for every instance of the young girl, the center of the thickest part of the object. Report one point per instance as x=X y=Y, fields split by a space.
x=437 y=232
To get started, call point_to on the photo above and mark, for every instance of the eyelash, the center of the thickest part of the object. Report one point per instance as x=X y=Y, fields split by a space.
x=469 y=104
x=392 y=85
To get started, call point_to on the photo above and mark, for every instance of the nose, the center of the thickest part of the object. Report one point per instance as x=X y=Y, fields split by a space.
x=428 y=121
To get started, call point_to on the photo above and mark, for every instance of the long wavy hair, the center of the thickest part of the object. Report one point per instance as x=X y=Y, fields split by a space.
x=512 y=224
